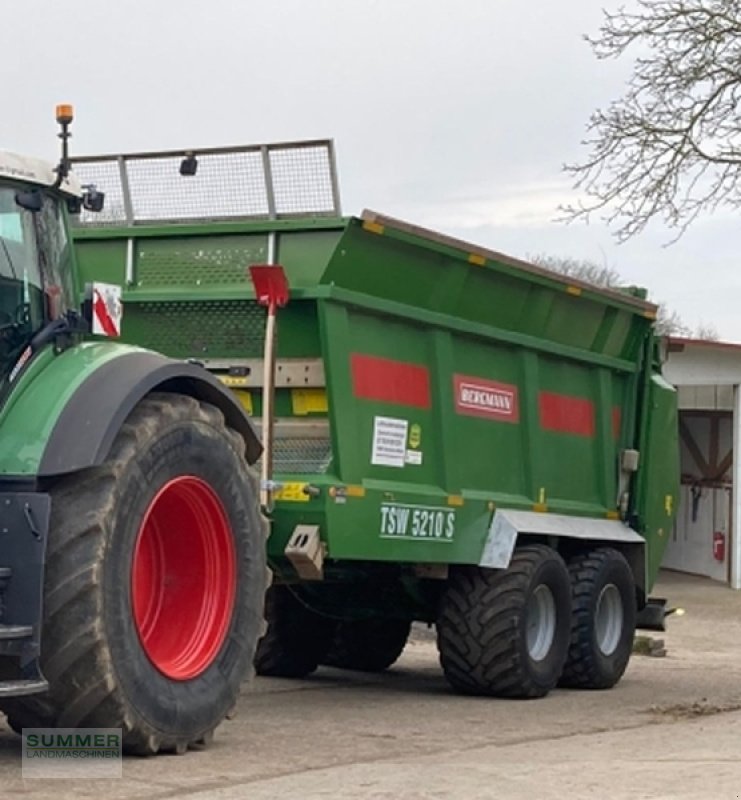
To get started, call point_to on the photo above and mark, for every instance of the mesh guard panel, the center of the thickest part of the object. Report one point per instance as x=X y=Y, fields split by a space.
x=198 y=329
x=302 y=455
x=174 y=262
x=272 y=181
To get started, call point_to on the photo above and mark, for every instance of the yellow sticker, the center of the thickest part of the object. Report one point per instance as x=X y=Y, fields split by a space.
x=308 y=401
x=292 y=493
x=373 y=227
x=415 y=436
x=669 y=505
x=245 y=398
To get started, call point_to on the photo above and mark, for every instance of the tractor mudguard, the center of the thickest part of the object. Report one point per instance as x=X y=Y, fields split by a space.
x=85 y=429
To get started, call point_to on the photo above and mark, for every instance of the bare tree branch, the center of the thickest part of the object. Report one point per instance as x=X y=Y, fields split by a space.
x=670 y=147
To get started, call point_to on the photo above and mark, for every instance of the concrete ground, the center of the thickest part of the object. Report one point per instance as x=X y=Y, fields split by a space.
x=670 y=729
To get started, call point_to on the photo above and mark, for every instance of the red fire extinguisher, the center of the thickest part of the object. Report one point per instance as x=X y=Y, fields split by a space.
x=719 y=546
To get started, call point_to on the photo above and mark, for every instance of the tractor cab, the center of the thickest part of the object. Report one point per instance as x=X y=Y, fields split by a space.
x=38 y=287
x=37 y=282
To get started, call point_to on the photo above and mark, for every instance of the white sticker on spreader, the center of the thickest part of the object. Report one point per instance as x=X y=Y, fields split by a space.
x=414 y=457
x=389 y=441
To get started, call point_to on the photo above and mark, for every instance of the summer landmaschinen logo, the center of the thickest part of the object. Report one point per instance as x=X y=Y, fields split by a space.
x=72 y=753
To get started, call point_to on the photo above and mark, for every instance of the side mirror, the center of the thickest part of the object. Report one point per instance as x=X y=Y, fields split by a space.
x=30 y=201
x=92 y=199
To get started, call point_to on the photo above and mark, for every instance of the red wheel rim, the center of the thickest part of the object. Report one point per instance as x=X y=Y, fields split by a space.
x=183 y=578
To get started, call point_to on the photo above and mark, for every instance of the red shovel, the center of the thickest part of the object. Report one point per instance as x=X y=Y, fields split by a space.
x=271 y=290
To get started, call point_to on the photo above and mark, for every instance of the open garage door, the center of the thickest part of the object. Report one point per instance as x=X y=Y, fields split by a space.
x=700 y=541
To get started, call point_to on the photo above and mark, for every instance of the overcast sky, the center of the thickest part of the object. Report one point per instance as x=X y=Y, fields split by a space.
x=454 y=115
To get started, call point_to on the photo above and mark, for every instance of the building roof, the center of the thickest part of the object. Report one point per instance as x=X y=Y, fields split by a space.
x=702 y=362
x=678 y=343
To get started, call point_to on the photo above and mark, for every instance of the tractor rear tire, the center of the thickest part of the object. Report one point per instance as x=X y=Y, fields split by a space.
x=603 y=620
x=370 y=645
x=505 y=633
x=296 y=639
x=154 y=584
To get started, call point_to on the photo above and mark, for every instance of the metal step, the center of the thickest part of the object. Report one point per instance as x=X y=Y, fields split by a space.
x=21 y=687
x=15 y=632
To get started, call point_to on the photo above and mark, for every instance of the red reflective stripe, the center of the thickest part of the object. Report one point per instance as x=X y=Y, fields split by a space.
x=101 y=312
x=565 y=414
x=390 y=381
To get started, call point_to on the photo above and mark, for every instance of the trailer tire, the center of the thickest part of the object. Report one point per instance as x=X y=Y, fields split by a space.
x=505 y=633
x=603 y=619
x=175 y=491
x=297 y=638
x=369 y=645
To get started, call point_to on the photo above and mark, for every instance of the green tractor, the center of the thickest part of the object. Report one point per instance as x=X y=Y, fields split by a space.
x=132 y=573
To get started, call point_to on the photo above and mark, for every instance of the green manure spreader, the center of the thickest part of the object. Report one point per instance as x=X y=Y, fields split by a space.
x=451 y=435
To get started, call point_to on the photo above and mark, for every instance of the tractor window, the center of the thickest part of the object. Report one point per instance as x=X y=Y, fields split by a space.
x=36 y=275
x=11 y=228
x=21 y=288
x=22 y=282
x=54 y=252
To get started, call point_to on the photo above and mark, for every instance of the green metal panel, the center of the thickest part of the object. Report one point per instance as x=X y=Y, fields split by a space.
x=402 y=265
x=658 y=479
x=194 y=259
x=304 y=254
x=572 y=464
x=518 y=459
x=426 y=528
x=103 y=261
x=483 y=460
x=40 y=395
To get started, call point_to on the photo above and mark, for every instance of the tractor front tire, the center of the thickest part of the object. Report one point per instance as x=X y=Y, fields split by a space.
x=603 y=619
x=505 y=632
x=154 y=584
x=297 y=638
x=370 y=645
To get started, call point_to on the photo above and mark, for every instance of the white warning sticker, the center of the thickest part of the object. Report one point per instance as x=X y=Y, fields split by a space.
x=107 y=309
x=414 y=457
x=389 y=441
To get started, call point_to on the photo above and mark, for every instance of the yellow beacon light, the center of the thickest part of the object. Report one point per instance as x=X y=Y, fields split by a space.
x=65 y=114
